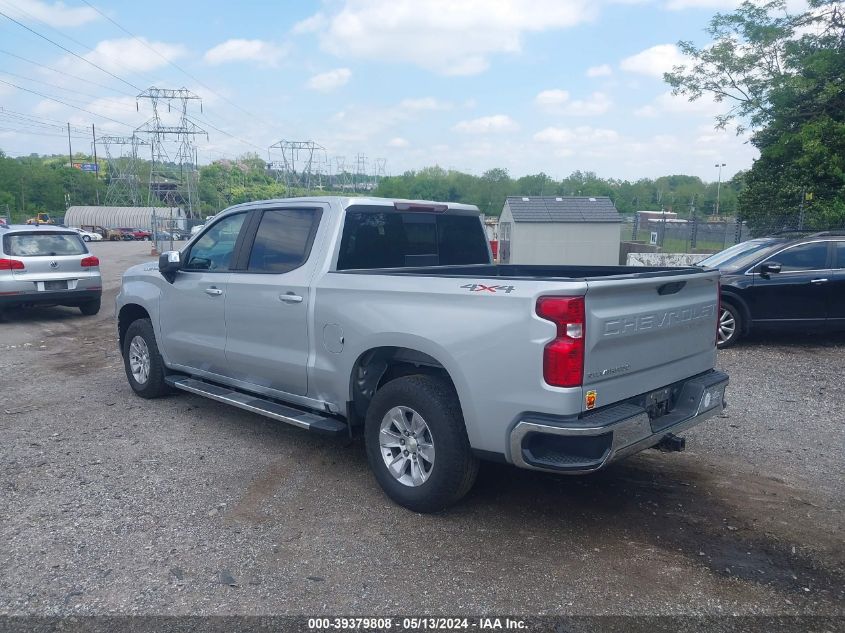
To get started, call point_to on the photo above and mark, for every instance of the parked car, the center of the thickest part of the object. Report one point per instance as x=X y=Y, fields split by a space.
x=174 y=235
x=389 y=317
x=87 y=236
x=107 y=234
x=134 y=234
x=788 y=280
x=44 y=265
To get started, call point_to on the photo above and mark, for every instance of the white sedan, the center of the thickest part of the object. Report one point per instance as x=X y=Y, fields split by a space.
x=88 y=236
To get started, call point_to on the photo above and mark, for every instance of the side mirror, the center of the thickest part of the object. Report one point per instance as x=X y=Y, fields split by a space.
x=169 y=263
x=769 y=268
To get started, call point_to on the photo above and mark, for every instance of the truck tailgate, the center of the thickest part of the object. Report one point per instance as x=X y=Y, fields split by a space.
x=645 y=333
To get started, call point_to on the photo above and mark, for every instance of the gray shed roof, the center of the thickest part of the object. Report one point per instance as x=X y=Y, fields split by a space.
x=562 y=209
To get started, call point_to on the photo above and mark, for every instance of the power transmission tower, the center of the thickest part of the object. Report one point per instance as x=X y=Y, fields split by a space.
x=122 y=168
x=360 y=172
x=343 y=181
x=297 y=166
x=173 y=163
x=379 y=169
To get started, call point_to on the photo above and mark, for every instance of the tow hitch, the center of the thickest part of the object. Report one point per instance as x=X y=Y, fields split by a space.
x=671 y=443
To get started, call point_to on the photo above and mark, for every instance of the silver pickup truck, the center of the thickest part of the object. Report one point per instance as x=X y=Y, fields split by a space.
x=388 y=316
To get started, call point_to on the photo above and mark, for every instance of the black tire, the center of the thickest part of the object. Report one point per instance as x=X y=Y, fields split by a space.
x=454 y=468
x=90 y=308
x=154 y=386
x=85 y=238
x=730 y=314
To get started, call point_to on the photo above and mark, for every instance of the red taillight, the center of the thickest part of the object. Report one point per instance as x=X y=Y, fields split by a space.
x=718 y=309
x=563 y=358
x=90 y=261
x=11 y=264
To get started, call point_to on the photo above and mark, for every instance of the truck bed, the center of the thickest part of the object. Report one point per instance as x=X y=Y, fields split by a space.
x=532 y=272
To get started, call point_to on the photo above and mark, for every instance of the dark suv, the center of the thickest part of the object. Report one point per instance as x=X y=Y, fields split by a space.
x=791 y=279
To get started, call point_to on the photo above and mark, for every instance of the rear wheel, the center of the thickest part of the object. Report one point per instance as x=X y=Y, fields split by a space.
x=142 y=361
x=90 y=308
x=417 y=444
x=85 y=238
x=730 y=325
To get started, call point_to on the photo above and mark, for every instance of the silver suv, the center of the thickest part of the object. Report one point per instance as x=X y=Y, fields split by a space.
x=47 y=266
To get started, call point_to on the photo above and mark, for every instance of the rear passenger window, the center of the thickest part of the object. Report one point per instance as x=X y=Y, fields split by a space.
x=284 y=240
x=840 y=254
x=400 y=240
x=811 y=256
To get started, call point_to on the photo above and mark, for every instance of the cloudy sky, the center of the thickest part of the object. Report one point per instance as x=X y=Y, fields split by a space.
x=529 y=85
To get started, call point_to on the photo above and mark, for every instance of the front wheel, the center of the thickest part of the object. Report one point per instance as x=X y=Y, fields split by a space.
x=142 y=361
x=417 y=444
x=730 y=326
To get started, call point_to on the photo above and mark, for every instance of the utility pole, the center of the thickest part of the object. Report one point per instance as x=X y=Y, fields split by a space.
x=801 y=209
x=718 y=186
x=694 y=233
x=96 y=164
x=69 y=149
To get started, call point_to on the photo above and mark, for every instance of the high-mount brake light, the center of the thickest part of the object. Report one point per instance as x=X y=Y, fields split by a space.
x=422 y=208
x=563 y=358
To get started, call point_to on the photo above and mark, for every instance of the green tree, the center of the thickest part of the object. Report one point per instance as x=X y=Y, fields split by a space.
x=782 y=77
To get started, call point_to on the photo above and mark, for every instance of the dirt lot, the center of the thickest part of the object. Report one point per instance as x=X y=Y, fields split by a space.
x=113 y=504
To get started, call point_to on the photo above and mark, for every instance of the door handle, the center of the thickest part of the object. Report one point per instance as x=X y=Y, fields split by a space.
x=818 y=281
x=214 y=292
x=289 y=297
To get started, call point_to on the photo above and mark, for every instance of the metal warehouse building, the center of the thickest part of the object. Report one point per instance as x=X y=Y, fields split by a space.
x=130 y=217
x=568 y=230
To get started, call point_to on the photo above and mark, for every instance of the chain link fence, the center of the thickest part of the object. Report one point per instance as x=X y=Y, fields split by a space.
x=695 y=236
x=170 y=232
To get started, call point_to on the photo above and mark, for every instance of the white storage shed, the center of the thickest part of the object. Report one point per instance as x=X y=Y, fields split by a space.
x=559 y=230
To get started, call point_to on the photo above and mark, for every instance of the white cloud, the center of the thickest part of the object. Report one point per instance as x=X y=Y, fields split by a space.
x=330 y=80
x=654 y=61
x=678 y=5
x=551 y=98
x=240 y=50
x=581 y=135
x=451 y=38
x=398 y=141
x=122 y=56
x=667 y=103
x=57 y=14
x=487 y=124
x=558 y=102
x=425 y=103
x=600 y=71
x=310 y=25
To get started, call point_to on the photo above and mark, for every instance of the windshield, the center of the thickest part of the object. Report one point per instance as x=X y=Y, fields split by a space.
x=41 y=244
x=738 y=256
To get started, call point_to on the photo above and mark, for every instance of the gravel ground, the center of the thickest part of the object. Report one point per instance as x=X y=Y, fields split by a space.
x=116 y=505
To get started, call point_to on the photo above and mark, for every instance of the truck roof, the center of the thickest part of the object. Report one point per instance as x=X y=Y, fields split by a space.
x=347 y=201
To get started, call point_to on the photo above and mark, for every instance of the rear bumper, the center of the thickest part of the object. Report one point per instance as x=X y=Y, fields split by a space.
x=68 y=297
x=586 y=443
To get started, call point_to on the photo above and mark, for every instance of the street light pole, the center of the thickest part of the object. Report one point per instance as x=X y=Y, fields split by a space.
x=718 y=186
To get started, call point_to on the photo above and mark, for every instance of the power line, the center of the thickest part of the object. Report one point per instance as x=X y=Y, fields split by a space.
x=57 y=87
x=67 y=50
x=65 y=74
x=174 y=64
x=61 y=124
x=64 y=103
